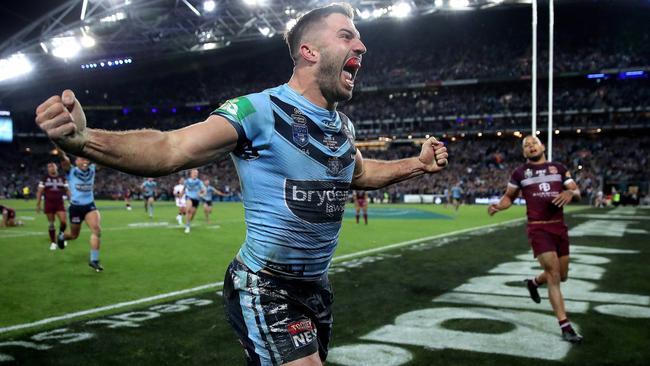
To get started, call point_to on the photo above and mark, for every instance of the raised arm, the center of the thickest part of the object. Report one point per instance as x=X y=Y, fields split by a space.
x=506 y=201
x=142 y=152
x=373 y=174
x=65 y=161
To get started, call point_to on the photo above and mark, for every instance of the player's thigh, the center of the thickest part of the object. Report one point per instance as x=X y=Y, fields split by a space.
x=549 y=262
x=564 y=267
x=311 y=360
x=61 y=216
x=92 y=220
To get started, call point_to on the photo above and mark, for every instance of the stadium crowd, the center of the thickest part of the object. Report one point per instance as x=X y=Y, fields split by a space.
x=481 y=165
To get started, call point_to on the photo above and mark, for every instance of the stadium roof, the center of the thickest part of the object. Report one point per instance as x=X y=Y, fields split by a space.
x=89 y=31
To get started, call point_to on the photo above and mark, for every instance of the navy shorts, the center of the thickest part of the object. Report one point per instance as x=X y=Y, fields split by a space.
x=278 y=319
x=195 y=202
x=147 y=196
x=78 y=212
x=207 y=202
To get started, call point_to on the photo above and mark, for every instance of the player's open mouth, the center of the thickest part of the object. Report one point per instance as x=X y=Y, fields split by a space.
x=350 y=68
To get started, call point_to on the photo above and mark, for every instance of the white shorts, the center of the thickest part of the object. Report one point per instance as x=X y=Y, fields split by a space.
x=180 y=202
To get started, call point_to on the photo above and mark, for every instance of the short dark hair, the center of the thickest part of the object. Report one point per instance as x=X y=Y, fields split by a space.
x=294 y=35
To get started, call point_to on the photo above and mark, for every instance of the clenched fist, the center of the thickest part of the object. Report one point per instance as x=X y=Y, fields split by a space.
x=433 y=155
x=63 y=120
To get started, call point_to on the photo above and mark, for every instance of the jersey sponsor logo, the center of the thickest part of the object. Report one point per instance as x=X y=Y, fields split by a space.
x=84 y=187
x=302 y=333
x=237 y=108
x=552 y=169
x=316 y=201
x=300 y=134
x=298 y=116
x=544 y=187
x=540 y=172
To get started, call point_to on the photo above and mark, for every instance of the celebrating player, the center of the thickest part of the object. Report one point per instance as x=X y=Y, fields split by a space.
x=361 y=203
x=81 y=178
x=53 y=187
x=547 y=188
x=149 y=193
x=296 y=160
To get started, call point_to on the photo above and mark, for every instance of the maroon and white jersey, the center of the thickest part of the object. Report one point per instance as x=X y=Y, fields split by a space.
x=540 y=184
x=54 y=188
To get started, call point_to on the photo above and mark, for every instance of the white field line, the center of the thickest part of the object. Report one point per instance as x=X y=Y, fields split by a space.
x=216 y=285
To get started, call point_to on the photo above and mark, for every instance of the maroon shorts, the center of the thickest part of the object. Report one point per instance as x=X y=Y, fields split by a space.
x=52 y=207
x=549 y=238
x=361 y=202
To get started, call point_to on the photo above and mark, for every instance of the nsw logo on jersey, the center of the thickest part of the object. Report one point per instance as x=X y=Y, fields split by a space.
x=316 y=201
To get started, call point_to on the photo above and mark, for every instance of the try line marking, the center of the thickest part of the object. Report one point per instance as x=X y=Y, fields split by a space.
x=216 y=285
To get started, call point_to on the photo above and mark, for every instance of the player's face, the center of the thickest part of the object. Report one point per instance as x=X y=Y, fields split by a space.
x=533 y=148
x=82 y=163
x=181 y=181
x=340 y=49
x=194 y=174
x=52 y=169
x=206 y=182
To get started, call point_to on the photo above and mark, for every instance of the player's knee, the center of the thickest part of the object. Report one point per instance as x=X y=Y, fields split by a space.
x=553 y=276
x=564 y=277
x=51 y=226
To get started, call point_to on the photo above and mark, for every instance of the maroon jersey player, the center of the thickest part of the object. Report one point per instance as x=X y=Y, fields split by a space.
x=547 y=187
x=53 y=187
x=361 y=203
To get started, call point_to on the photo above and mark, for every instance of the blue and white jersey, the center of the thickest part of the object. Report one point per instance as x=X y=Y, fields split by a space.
x=149 y=187
x=81 y=184
x=209 y=193
x=193 y=188
x=456 y=192
x=295 y=162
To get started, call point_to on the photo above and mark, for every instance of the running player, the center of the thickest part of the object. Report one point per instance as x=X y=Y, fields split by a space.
x=547 y=188
x=208 y=197
x=53 y=186
x=127 y=197
x=296 y=161
x=361 y=203
x=194 y=188
x=456 y=195
x=9 y=217
x=81 y=178
x=179 y=195
x=149 y=193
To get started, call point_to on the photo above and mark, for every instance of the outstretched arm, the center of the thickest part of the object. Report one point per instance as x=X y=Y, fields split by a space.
x=505 y=202
x=142 y=152
x=373 y=174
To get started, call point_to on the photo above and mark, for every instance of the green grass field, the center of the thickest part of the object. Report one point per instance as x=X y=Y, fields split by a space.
x=381 y=272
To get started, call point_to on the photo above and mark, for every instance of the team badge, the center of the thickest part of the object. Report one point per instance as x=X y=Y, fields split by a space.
x=300 y=134
x=333 y=166
x=552 y=169
x=528 y=173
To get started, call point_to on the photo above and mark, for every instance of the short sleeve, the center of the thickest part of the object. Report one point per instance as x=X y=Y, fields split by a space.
x=252 y=117
x=515 y=179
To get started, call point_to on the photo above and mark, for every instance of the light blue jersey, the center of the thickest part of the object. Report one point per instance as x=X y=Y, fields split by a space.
x=81 y=183
x=193 y=188
x=149 y=188
x=209 y=193
x=456 y=192
x=295 y=162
